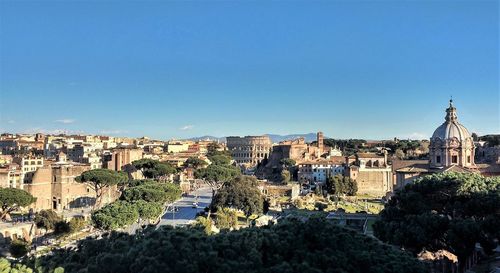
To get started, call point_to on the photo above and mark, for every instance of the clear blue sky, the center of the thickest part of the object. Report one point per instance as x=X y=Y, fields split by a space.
x=178 y=69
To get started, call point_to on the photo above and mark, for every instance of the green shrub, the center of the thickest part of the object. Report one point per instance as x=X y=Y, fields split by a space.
x=115 y=215
x=76 y=224
x=62 y=227
x=18 y=248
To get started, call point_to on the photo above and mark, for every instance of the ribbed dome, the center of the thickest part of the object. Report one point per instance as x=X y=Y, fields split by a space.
x=451 y=128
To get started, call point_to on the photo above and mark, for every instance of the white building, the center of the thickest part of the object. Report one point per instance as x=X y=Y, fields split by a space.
x=319 y=171
x=28 y=166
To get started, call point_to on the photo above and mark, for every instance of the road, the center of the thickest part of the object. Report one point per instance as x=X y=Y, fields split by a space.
x=186 y=213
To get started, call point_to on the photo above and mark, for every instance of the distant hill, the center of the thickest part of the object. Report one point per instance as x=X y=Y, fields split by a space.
x=213 y=138
x=310 y=137
x=274 y=137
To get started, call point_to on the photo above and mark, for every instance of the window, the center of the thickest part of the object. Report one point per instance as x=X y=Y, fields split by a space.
x=468 y=159
x=438 y=159
x=454 y=159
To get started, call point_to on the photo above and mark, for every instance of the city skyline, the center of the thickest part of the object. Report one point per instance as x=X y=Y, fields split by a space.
x=179 y=70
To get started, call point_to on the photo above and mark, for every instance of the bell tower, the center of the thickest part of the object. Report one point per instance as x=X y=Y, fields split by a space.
x=320 y=138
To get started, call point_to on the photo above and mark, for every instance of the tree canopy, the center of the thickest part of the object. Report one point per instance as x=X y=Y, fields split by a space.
x=217 y=173
x=226 y=219
x=47 y=219
x=148 y=210
x=240 y=193
x=19 y=248
x=101 y=179
x=348 y=146
x=142 y=198
x=341 y=185
x=194 y=162
x=493 y=140
x=220 y=159
x=12 y=199
x=285 y=176
x=215 y=149
x=287 y=162
x=152 y=192
x=153 y=169
x=449 y=211
x=315 y=245
x=7 y=267
x=116 y=215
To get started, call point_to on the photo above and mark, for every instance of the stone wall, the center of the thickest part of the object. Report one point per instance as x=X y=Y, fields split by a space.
x=55 y=188
x=376 y=181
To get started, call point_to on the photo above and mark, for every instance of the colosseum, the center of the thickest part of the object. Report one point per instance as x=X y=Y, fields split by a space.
x=249 y=150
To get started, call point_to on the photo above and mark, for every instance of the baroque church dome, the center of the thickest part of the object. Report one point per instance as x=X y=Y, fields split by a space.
x=451 y=144
x=451 y=128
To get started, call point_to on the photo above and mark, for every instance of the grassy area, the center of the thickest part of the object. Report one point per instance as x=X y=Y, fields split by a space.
x=306 y=212
x=283 y=199
x=242 y=219
x=366 y=196
x=350 y=204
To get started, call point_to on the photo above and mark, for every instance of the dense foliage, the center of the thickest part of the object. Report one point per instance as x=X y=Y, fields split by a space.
x=240 y=193
x=115 y=215
x=148 y=210
x=448 y=211
x=101 y=179
x=142 y=198
x=203 y=224
x=18 y=248
x=220 y=159
x=153 y=169
x=290 y=246
x=287 y=162
x=12 y=199
x=493 y=140
x=352 y=146
x=217 y=173
x=194 y=162
x=285 y=176
x=152 y=192
x=347 y=146
x=341 y=185
x=226 y=219
x=220 y=170
x=47 y=219
x=62 y=227
x=76 y=224
x=216 y=149
x=7 y=267
x=403 y=145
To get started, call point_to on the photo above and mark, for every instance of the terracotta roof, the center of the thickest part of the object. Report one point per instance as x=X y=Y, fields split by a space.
x=399 y=164
x=337 y=159
x=322 y=162
x=457 y=169
x=415 y=168
x=369 y=155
